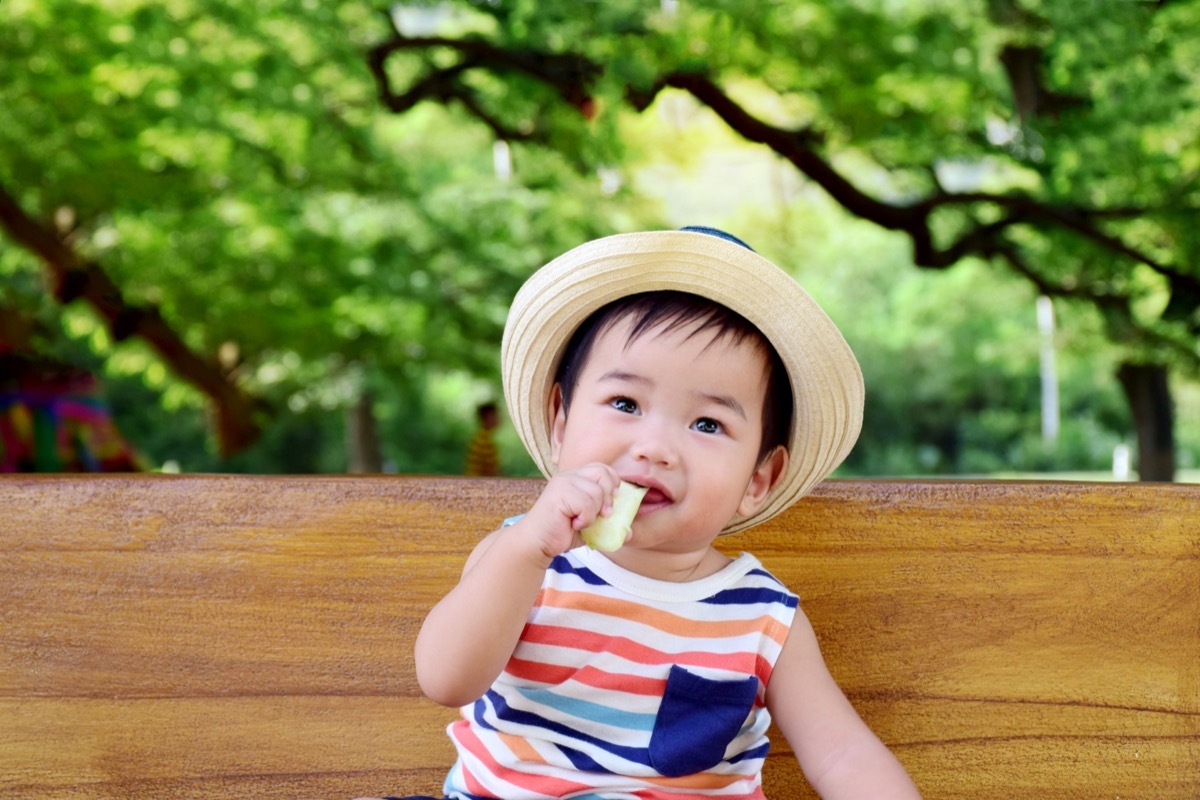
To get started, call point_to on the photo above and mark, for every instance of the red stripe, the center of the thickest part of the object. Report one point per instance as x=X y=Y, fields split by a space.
x=589 y=641
x=631 y=684
x=553 y=675
x=536 y=671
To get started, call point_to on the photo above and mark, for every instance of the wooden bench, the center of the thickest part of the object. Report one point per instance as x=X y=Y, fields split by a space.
x=250 y=637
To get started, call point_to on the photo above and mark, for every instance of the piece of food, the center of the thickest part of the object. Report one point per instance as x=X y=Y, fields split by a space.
x=609 y=533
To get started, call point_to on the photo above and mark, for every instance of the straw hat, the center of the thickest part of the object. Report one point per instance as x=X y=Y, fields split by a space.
x=826 y=382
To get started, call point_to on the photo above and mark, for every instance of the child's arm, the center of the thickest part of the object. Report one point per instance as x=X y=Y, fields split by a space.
x=468 y=637
x=838 y=753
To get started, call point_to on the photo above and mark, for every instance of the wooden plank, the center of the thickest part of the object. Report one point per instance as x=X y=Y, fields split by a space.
x=208 y=744
x=221 y=636
x=1012 y=639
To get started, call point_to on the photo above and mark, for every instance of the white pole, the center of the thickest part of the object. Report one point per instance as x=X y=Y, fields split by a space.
x=1050 y=412
x=502 y=160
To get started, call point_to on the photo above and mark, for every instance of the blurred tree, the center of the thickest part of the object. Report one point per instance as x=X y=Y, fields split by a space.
x=1053 y=138
x=951 y=360
x=212 y=185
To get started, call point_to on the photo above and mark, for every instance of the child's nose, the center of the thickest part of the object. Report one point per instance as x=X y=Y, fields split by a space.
x=656 y=446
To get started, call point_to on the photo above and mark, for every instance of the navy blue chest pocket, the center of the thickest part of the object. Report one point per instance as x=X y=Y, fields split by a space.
x=698 y=719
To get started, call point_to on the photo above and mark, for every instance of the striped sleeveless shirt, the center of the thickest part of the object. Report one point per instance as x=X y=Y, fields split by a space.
x=624 y=687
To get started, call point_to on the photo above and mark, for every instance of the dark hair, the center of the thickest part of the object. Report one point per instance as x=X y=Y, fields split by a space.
x=674 y=310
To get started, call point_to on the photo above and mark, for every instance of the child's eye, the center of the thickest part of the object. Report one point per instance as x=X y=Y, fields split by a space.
x=707 y=425
x=624 y=404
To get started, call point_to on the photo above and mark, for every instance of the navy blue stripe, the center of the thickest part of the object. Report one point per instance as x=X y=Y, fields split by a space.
x=762 y=573
x=562 y=565
x=582 y=761
x=747 y=755
x=478 y=711
x=750 y=596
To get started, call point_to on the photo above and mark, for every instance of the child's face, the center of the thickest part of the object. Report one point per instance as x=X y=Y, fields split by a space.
x=680 y=415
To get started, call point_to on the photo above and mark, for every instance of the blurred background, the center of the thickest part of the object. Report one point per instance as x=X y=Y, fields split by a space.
x=282 y=237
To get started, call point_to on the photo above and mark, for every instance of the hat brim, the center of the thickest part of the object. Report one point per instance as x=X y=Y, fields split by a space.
x=825 y=379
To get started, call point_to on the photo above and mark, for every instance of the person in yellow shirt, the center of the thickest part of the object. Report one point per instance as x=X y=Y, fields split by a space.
x=483 y=458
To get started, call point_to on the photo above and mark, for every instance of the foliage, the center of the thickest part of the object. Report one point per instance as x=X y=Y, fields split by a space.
x=951 y=361
x=228 y=167
x=304 y=195
x=1053 y=138
x=1058 y=137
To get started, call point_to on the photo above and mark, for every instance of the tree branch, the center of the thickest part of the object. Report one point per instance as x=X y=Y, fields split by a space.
x=572 y=77
x=569 y=75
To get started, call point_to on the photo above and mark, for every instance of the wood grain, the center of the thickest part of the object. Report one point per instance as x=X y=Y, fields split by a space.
x=226 y=636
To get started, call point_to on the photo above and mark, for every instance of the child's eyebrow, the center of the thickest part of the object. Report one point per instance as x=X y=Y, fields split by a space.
x=724 y=400
x=621 y=375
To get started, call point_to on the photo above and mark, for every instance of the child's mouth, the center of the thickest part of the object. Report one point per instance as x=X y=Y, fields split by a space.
x=654 y=499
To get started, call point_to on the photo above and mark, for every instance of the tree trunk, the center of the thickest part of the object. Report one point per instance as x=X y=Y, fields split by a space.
x=1149 y=396
x=362 y=443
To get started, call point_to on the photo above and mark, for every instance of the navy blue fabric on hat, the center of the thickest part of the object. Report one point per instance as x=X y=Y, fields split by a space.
x=729 y=237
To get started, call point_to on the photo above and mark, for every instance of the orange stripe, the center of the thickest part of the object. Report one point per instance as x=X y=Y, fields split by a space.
x=701 y=780
x=660 y=620
x=521 y=748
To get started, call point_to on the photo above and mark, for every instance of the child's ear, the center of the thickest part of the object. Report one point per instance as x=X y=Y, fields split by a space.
x=765 y=477
x=558 y=422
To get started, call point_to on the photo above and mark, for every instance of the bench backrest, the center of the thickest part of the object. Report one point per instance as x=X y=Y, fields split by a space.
x=221 y=636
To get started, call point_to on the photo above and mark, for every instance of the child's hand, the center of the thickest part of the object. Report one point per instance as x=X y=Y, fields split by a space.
x=571 y=501
x=468 y=637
